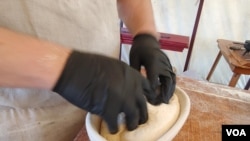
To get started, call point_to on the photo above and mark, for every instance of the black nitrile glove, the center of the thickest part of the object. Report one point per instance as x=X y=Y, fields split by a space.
x=105 y=87
x=145 y=51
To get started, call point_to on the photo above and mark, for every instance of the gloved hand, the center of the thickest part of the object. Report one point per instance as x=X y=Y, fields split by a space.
x=105 y=87
x=145 y=51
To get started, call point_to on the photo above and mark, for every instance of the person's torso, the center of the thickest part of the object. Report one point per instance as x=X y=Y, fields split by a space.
x=86 y=25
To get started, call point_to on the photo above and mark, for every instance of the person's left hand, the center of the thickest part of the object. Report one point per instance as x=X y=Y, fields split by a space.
x=145 y=51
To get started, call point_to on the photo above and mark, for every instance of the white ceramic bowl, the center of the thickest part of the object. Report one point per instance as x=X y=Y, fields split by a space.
x=93 y=122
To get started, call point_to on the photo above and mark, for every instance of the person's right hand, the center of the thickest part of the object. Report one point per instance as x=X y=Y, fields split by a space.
x=145 y=51
x=105 y=87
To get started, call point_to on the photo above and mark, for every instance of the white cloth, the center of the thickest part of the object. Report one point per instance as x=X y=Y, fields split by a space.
x=28 y=115
x=81 y=24
x=86 y=25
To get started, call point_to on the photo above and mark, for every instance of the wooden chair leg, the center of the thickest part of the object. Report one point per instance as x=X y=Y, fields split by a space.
x=234 y=79
x=214 y=65
x=247 y=85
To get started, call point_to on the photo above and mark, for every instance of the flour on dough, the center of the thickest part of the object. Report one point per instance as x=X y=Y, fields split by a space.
x=161 y=118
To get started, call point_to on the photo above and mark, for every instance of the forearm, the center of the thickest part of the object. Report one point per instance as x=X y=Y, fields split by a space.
x=29 y=62
x=137 y=16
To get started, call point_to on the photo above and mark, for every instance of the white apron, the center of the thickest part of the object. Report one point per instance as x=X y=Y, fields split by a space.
x=86 y=25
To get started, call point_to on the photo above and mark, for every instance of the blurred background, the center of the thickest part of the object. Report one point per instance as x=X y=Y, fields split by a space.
x=220 y=19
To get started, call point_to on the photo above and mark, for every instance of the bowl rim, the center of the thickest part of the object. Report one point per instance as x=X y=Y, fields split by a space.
x=185 y=107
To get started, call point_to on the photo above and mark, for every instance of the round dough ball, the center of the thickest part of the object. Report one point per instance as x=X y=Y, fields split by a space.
x=161 y=118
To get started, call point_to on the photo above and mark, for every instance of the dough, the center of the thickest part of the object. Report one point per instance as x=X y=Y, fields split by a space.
x=161 y=118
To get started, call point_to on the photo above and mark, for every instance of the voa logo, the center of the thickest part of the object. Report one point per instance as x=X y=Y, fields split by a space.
x=236 y=132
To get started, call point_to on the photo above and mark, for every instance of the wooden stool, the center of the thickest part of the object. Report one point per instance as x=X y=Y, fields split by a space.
x=239 y=64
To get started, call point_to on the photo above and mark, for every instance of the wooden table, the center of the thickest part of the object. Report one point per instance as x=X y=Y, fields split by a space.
x=211 y=106
x=239 y=64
